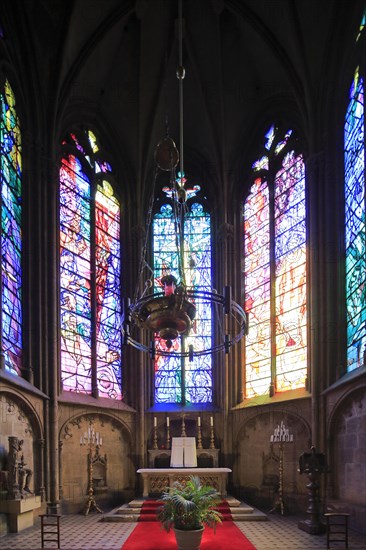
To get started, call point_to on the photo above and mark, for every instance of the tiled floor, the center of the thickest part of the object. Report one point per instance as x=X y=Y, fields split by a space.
x=79 y=532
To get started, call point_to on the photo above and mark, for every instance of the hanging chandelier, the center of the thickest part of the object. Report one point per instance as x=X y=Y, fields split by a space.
x=169 y=312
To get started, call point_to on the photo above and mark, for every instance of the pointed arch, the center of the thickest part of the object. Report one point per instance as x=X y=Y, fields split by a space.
x=90 y=256
x=275 y=263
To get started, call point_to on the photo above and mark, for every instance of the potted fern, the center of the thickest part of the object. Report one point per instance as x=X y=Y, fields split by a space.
x=187 y=509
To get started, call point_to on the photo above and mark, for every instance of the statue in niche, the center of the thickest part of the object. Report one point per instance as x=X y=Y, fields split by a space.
x=18 y=476
x=24 y=476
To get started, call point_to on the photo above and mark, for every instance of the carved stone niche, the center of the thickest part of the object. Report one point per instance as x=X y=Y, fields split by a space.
x=99 y=464
x=270 y=469
x=20 y=502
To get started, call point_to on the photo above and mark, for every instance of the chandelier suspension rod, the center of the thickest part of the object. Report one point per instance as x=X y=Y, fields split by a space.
x=180 y=76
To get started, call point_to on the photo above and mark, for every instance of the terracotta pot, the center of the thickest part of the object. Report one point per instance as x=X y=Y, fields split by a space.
x=188 y=540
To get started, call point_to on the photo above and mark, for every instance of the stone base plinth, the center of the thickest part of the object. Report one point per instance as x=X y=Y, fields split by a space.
x=311 y=527
x=20 y=512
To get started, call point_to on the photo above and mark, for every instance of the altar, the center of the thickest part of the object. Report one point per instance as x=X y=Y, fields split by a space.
x=156 y=480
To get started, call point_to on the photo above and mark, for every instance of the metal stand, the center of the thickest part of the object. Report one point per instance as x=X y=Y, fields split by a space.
x=313 y=464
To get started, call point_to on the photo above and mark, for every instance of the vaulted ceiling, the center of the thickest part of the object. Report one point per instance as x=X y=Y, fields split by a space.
x=113 y=64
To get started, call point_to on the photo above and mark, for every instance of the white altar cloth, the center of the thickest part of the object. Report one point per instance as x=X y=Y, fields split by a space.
x=156 y=480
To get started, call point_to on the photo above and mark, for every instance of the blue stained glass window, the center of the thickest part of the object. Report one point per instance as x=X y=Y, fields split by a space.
x=355 y=233
x=275 y=270
x=89 y=275
x=177 y=380
x=11 y=238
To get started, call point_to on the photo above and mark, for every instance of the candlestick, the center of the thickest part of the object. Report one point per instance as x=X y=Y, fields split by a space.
x=155 y=444
x=167 y=444
x=199 y=435
x=183 y=433
x=212 y=442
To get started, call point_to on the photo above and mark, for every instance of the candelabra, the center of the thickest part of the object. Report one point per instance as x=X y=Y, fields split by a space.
x=94 y=441
x=199 y=434
x=281 y=435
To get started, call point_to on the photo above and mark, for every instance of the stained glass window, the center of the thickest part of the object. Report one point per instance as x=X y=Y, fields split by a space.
x=275 y=270
x=178 y=380
x=89 y=272
x=11 y=238
x=355 y=232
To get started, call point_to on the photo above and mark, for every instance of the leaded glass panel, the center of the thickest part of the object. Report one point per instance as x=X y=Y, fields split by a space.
x=11 y=238
x=196 y=384
x=89 y=275
x=355 y=232
x=276 y=346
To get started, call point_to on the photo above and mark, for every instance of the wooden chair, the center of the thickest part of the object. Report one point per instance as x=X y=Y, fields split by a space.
x=50 y=529
x=337 y=529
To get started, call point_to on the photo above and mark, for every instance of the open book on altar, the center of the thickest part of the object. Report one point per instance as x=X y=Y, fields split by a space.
x=183 y=453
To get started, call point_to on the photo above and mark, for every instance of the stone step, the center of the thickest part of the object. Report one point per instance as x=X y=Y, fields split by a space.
x=130 y=512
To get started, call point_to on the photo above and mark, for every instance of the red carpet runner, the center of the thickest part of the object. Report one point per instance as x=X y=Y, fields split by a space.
x=149 y=535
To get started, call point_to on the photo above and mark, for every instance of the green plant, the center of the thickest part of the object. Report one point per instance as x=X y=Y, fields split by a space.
x=189 y=506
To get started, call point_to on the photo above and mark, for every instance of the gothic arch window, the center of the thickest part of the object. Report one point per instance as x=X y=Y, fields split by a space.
x=275 y=269
x=355 y=232
x=11 y=238
x=179 y=380
x=90 y=256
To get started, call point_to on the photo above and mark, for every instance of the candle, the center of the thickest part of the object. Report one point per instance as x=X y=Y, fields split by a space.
x=167 y=421
x=81 y=440
x=100 y=442
x=199 y=421
x=211 y=421
x=155 y=422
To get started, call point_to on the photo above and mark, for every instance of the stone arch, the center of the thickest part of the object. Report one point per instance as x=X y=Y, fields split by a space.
x=253 y=446
x=114 y=467
x=21 y=418
x=346 y=433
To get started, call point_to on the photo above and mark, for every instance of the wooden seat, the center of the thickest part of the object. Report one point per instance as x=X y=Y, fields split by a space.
x=337 y=530
x=50 y=529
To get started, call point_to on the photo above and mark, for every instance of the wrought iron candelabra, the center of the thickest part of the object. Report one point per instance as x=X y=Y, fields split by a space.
x=94 y=441
x=281 y=435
